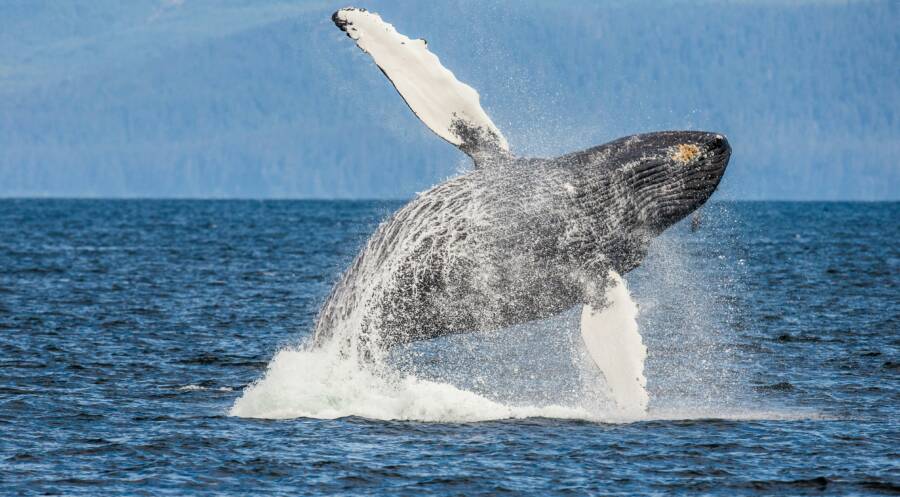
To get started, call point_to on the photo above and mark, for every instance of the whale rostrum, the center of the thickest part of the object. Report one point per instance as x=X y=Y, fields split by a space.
x=514 y=239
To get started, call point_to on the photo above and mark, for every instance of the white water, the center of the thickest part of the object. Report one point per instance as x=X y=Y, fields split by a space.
x=318 y=383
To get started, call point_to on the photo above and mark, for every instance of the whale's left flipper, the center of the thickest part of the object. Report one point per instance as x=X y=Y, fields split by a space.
x=446 y=105
x=612 y=339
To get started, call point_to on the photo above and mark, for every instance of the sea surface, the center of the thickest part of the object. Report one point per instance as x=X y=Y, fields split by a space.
x=134 y=335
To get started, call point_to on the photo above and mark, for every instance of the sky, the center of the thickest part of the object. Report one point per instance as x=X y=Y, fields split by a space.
x=267 y=99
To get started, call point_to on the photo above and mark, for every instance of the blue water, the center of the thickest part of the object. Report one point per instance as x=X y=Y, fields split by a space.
x=129 y=329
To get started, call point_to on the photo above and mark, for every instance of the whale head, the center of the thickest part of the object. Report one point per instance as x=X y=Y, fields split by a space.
x=668 y=175
x=631 y=189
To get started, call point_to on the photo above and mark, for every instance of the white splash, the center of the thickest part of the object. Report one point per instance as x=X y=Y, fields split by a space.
x=319 y=383
x=198 y=388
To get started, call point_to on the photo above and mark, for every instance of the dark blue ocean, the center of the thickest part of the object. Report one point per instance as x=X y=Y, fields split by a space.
x=130 y=330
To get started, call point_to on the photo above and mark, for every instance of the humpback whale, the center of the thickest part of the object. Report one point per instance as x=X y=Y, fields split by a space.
x=514 y=239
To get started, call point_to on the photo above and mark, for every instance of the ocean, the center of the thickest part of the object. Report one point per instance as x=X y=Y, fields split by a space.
x=153 y=347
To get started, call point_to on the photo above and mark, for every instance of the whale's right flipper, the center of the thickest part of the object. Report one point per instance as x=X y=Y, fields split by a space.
x=446 y=105
x=614 y=343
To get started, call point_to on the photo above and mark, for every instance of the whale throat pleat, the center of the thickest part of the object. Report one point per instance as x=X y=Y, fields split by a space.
x=446 y=105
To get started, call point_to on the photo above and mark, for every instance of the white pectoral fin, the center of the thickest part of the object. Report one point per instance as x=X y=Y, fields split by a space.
x=447 y=106
x=615 y=345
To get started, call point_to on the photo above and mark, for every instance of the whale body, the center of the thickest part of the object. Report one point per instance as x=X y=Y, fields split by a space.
x=514 y=239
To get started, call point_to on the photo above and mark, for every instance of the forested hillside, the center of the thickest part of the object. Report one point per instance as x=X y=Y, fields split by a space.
x=265 y=98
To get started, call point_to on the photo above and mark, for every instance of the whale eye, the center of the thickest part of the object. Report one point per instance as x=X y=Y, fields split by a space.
x=685 y=152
